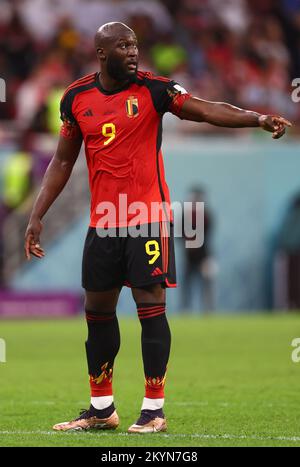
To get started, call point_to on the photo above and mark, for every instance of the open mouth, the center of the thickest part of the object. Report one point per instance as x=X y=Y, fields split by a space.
x=132 y=66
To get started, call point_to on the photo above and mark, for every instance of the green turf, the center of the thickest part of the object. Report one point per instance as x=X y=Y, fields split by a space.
x=231 y=382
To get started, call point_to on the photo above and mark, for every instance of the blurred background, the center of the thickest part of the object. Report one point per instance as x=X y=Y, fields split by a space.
x=239 y=51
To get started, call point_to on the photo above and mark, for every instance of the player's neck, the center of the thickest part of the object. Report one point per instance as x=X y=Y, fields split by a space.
x=108 y=83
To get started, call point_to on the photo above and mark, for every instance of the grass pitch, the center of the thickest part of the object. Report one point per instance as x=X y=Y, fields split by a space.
x=231 y=382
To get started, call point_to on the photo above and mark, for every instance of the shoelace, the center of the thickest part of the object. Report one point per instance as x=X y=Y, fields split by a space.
x=148 y=415
x=84 y=413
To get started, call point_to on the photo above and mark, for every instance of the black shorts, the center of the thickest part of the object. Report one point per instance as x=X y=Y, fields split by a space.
x=110 y=262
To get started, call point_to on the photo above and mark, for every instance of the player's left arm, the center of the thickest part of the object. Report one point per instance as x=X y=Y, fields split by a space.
x=227 y=115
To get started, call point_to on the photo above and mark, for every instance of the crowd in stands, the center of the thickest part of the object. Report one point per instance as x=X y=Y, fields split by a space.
x=244 y=52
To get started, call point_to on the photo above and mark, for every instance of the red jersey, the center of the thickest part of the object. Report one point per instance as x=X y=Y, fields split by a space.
x=122 y=133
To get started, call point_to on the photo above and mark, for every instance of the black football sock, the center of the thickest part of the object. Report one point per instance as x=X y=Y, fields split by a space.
x=156 y=343
x=102 y=346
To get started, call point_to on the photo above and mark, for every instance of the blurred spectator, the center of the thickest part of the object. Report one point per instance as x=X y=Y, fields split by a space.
x=52 y=110
x=33 y=94
x=67 y=37
x=16 y=185
x=200 y=267
x=167 y=56
x=18 y=46
x=154 y=10
x=234 y=14
x=17 y=175
x=287 y=278
x=41 y=17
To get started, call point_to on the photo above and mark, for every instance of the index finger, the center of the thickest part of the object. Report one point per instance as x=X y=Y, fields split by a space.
x=27 y=245
x=283 y=120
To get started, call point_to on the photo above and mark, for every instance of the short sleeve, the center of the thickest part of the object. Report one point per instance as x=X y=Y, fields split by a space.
x=167 y=95
x=66 y=113
x=178 y=96
x=70 y=128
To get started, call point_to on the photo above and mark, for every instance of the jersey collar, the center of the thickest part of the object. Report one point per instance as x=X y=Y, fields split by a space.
x=109 y=93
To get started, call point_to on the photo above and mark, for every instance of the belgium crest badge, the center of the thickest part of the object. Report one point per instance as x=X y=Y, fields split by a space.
x=132 y=107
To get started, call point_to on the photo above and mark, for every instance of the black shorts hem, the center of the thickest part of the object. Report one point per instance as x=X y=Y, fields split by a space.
x=156 y=280
x=102 y=289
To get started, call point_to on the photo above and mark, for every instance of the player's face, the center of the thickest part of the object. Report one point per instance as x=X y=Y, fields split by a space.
x=122 y=59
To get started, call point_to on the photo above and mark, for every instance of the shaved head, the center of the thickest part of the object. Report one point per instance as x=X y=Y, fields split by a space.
x=109 y=32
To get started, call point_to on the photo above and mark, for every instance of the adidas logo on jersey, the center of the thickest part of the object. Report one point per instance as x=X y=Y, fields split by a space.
x=88 y=113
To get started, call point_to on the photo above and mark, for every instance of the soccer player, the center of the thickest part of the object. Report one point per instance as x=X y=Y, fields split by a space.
x=118 y=112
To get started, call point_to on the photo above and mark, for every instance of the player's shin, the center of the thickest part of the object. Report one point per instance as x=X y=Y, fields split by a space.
x=156 y=343
x=102 y=346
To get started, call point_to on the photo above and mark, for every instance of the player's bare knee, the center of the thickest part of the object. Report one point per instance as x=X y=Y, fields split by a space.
x=154 y=293
x=102 y=302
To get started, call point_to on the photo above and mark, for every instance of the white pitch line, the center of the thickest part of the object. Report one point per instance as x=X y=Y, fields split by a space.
x=229 y=404
x=183 y=404
x=171 y=435
x=188 y=403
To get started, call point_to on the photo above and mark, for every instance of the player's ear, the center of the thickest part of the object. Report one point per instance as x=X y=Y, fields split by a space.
x=100 y=53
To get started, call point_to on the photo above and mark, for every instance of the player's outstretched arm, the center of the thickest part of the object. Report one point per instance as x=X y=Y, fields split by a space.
x=226 y=115
x=55 y=178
